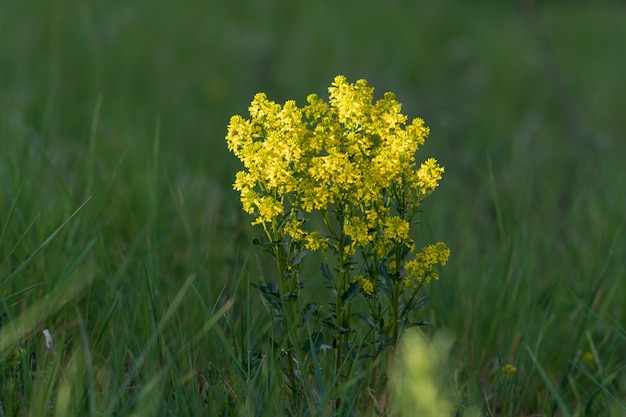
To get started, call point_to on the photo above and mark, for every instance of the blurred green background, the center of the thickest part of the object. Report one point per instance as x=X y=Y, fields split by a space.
x=482 y=74
x=525 y=101
x=534 y=88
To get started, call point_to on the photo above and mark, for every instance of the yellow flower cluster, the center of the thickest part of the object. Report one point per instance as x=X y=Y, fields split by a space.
x=421 y=268
x=367 y=287
x=351 y=154
x=509 y=370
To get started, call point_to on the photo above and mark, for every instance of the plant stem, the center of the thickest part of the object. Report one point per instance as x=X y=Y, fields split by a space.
x=340 y=287
x=413 y=294
x=286 y=304
x=396 y=324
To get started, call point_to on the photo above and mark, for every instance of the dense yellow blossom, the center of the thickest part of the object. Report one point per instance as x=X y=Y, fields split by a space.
x=421 y=268
x=348 y=151
x=396 y=229
x=427 y=176
x=339 y=177
x=367 y=287
x=314 y=241
x=357 y=229
x=294 y=229
x=268 y=209
x=349 y=156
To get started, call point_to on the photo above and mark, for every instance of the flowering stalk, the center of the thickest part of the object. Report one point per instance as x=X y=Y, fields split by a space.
x=351 y=163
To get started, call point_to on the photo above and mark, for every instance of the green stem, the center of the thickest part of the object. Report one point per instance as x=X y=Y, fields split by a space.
x=396 y=324
x=339 y=309
x=396 y=296
x=413 y=294
x=287 y=307
x=340 y=288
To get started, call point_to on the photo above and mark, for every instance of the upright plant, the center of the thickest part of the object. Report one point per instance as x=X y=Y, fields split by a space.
x=339 y=178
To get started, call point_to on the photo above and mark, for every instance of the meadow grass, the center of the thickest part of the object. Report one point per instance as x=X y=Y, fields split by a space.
x=120 y=234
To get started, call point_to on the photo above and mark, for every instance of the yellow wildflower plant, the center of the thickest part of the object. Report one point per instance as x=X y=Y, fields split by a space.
x=341 y=178
x=351 y=151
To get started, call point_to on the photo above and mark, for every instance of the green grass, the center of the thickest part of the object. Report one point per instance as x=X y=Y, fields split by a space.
x=120 y=234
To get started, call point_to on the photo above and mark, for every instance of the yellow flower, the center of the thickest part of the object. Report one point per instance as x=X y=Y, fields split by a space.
x=350 y=152
x=396 y=229
x=427 y=177
x=509 y=370
x=588 y=359
x=268 y=208
x=367 y=287
x=315 y=242
x=293 y=229
x=350 y=101
x=421 y=268
x=248 y=200
x=357 y=229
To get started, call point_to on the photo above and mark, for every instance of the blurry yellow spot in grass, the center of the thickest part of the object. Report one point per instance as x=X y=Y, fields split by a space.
x=588 y=359
x=419 y=388
x=509 y=370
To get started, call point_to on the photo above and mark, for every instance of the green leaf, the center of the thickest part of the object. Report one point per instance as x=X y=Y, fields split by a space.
x=561 y=402
x=326 y=272
x=367 y=320
x=419 y=323
x=420 y=303
x=313 y=342
x=352 y=290
x=299 y=257
x=343 y=330
x=310 y=310
x=269 y=293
